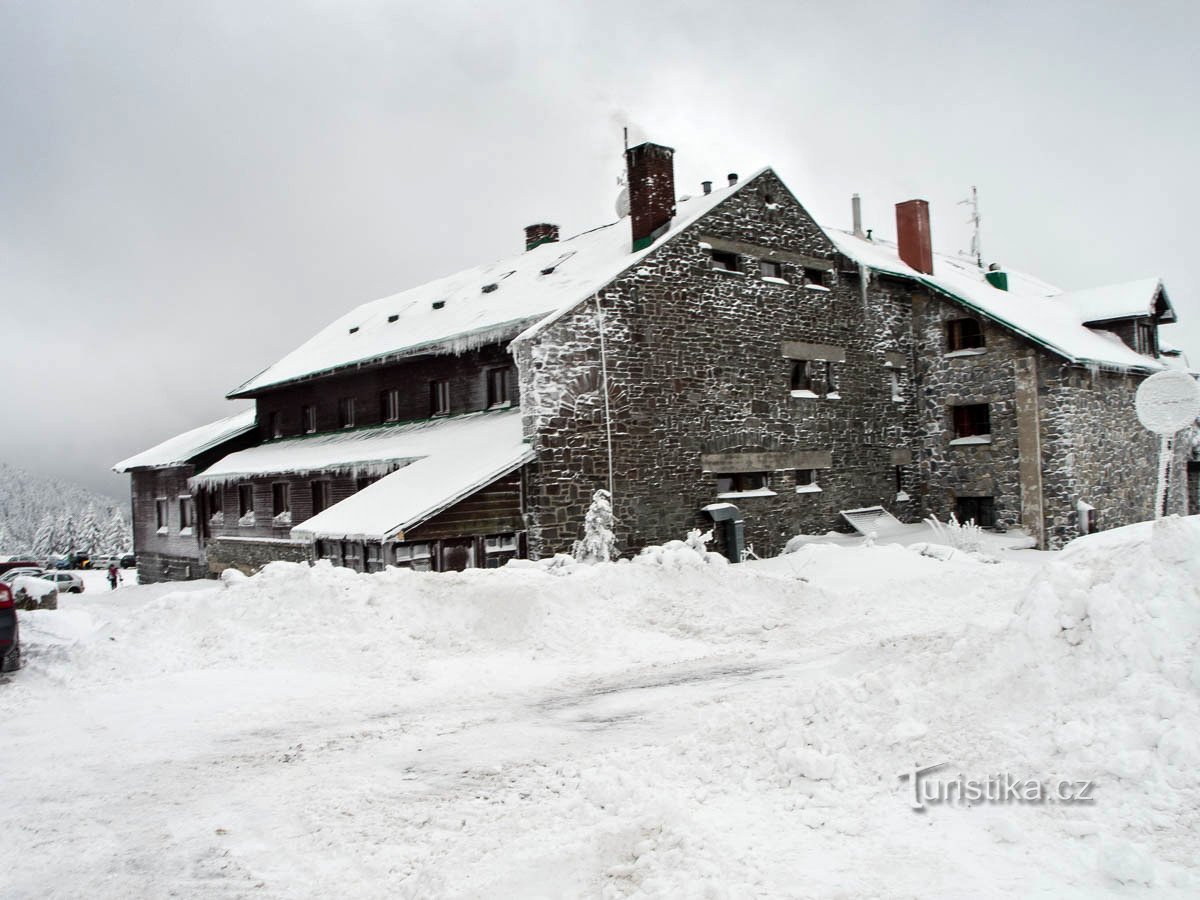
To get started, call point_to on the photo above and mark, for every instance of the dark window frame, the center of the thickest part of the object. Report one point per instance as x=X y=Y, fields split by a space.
x=725 y=261
x=308 y=419
x=346 y=411
x=964 y=334
x=498 y=383
x=245 y=499
x=980 y=510
x=742 y=482
x=274 y=425
x=770 y=268
x=389 y=405
x=814 y=276
x=439 y=397
x=281 y=498
x=802 y=375
x=162 y=508
x=971 y=420
x=320 y=493
x=187 y=513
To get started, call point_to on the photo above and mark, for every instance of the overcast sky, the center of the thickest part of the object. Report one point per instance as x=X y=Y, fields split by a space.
x=189 y=190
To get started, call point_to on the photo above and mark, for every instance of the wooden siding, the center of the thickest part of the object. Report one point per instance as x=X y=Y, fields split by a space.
x=467 y=374
x=495 y=509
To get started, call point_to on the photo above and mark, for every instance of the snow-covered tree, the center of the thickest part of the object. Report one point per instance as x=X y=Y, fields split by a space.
x=43 y=539
x=69 y=536
x=90 y=534
x=116 y=535
x=599 y=544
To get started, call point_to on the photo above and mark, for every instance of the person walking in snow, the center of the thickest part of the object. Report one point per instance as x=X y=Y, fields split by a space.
x=114 y=576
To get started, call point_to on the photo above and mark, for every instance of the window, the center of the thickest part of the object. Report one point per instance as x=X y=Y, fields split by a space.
x=769 y=268
x=806 y=481
x=980 y=510
x=389 y=405
x=281 y=502
x=725 y=261
x=308 y=416
x=1144 y=338
x=802 y=376
x=439 y=397
x=499 y=549
x=330 y=550
x=497 y=387
x=895 y=377
x=346 y=412
x=814 y=276
x=216 y=504
x=160 y=513
x=963 y=334
x=185 y=514
x=374 y=557
x=245 y=500
x=743 y=483
x=352 y=555
x=414 y=556
x=972 y=420
x=320 y=496
x=274 y=425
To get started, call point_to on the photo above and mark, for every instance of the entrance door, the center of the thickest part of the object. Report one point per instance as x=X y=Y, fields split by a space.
x=457 y=555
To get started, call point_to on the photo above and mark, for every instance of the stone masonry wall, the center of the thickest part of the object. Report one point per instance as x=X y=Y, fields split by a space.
x=696 y=366
x=248 y=556
x=1096 y=451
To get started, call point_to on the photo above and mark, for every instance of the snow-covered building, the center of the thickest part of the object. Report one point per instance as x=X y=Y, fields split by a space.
x=720 y=348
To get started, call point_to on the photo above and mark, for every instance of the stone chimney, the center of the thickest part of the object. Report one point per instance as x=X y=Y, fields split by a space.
x=651 y=170
x=542 y=233
x=912 y=235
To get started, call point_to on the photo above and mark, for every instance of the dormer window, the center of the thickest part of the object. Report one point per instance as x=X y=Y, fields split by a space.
x=439 y=398
x=497 y=387
x=346 y=412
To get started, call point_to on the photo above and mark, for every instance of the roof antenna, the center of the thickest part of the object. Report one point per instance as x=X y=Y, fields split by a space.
x=626 y=130
x=973 y=202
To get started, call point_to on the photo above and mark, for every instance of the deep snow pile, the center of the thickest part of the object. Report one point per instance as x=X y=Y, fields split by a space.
x=661 y=728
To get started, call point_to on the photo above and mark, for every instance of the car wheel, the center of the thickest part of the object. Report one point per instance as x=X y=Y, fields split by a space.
x=12 y=660
x=75 y=590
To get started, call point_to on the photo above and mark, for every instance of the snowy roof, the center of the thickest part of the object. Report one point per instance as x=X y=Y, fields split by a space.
x=1029 y=307
x=364 y=451
x=187 y=446
x=447 y=460
x=1119 y=301
x=477 y=306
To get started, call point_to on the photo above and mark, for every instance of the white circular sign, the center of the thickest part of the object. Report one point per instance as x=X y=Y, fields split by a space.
x=1167 y=402
x=622 y=204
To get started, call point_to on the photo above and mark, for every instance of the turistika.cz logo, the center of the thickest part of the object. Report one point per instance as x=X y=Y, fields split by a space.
x=1001 y=787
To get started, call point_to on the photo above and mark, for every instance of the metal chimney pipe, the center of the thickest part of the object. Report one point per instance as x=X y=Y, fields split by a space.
x=856 y=210
x=707 y=185
x=732 y=178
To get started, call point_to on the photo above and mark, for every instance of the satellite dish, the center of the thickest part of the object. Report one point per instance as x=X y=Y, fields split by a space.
x=623 y=203
x=1168 y=402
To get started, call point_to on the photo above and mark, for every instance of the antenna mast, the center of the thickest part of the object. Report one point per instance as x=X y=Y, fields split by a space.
x=976 y=248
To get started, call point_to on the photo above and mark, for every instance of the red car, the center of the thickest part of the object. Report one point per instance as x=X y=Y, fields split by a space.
x=10 y=638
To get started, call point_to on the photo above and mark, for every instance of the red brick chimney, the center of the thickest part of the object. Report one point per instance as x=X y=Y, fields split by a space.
x=542 y=233
x=912 y=235
x=651 y=170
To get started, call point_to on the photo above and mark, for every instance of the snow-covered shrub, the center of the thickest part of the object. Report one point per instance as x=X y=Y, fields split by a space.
x=965 y=536
x=599 y=544
x=677 y=554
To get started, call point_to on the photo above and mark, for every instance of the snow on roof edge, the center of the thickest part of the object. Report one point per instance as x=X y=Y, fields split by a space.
x=175 y=451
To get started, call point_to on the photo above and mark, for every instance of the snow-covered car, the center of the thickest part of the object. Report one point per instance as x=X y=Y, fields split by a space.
x=32 y=592
x=10 y=636
x=25 y=571
x=68 y=582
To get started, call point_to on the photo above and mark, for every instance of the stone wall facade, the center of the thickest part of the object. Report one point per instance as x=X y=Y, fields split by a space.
x=248 y=555
x=696 y=370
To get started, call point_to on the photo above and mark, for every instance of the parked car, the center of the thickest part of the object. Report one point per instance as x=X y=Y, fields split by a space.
x=13 y=574
x=16 y=562
x=128 y=561
x=67 y=582
x=10 y=637
x=81 y=560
